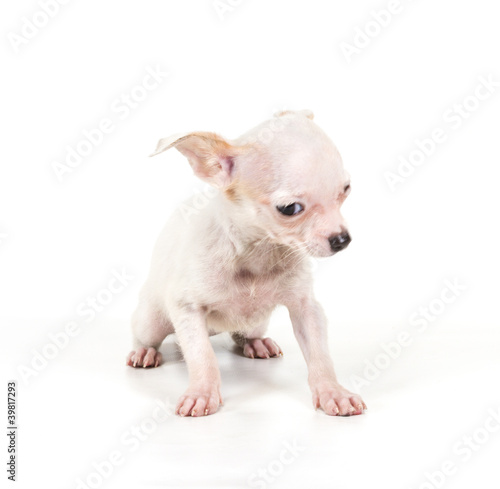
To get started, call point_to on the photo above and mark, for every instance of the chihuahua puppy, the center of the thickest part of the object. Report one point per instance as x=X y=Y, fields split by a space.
x=225 y=269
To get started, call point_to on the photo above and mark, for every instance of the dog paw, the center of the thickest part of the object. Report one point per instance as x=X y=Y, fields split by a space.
x=261 y=348
x=144 y=358
x=337 y=401
x=199 y=402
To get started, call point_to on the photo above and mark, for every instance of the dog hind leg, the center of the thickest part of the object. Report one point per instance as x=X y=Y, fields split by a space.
x=254 y=344
x=149 y=327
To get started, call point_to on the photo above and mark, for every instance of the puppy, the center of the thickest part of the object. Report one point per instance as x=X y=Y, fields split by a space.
x=224 y=269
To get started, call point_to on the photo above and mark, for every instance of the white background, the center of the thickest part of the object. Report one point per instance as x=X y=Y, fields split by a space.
x=60 y=240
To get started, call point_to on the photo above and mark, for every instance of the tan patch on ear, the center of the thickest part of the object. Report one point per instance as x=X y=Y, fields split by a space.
x=231 y=193
x=237 y=189
x=209 y=154
x=208 y=150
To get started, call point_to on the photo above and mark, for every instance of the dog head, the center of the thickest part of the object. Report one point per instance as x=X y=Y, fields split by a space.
x=283 y=179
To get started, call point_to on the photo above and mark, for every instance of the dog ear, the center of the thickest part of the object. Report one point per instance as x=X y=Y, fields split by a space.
x=210 y=155
x=306 y=113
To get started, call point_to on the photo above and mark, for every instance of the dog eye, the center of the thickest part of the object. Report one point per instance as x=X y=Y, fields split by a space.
x=347 y=188
x=290 y=210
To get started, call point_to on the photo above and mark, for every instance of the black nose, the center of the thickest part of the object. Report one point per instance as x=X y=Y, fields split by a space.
x=339 y=241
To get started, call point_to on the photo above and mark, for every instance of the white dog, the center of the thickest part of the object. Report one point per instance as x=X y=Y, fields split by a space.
x=226 y=268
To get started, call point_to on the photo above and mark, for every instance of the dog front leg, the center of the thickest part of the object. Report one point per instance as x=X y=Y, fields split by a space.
x=203 y=394
x=310 y=328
